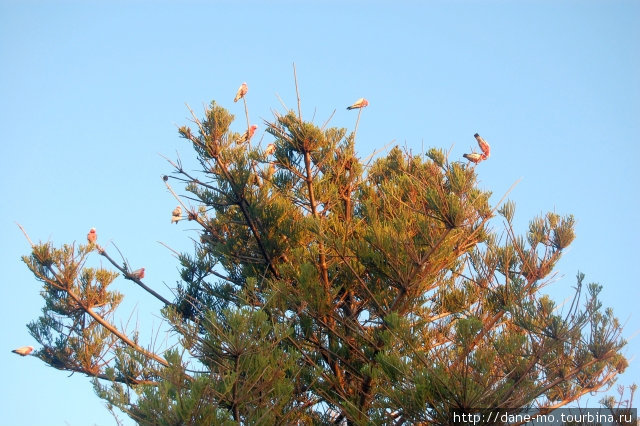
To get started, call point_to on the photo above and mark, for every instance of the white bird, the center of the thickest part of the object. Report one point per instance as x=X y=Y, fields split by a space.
x=241 y=92
x=176 y=215
x=23 y=351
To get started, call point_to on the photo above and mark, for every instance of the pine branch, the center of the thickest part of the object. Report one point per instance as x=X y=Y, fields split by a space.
x=240 y=200
x=130 y=277
x=124 y=380
x=59 y=284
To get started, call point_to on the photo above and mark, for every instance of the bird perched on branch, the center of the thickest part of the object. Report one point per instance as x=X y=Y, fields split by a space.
x=360 y=103
x=271 y=170
x=246 y=136
x=484 y=146
x=176 y=215
x=474 y=157
x=92 y=236
x=241 y=92
x=271 y=148
x=23 y=351
x=138 y=273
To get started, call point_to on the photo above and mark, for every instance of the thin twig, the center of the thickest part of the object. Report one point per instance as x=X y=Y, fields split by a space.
x=295 y=78
x=368 y=160
x=175 y=252
x=26 y=235
x=124 y=260
x=281 y=103
x=128 y=276
x=357 y=121
x=328 y=119
x=246 y=113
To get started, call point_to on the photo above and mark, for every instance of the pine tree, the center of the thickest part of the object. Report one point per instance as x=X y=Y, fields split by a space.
x=323 y=289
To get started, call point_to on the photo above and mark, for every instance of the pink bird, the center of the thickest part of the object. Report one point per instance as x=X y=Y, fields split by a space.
x=360 y=103
x=474 y=157
x=241 y=92
x=138 y=274
x=271 y=148
x=176 y=215
x=484 y=146
x=23 y=351
x=92 y=236
x=246 y=136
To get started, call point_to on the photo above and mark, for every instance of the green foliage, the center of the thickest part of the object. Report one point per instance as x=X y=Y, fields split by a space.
x=322 y=289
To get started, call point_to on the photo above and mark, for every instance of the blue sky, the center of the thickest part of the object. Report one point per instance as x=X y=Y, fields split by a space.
x=91 y=93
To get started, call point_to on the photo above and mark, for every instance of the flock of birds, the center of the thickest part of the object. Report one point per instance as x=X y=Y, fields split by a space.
x=92 y=237
x=176 y=214
x=473 y=157
x=476 y=157
x=246 y=136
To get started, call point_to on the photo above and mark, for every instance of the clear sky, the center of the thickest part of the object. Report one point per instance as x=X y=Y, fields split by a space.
x=91 y=93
